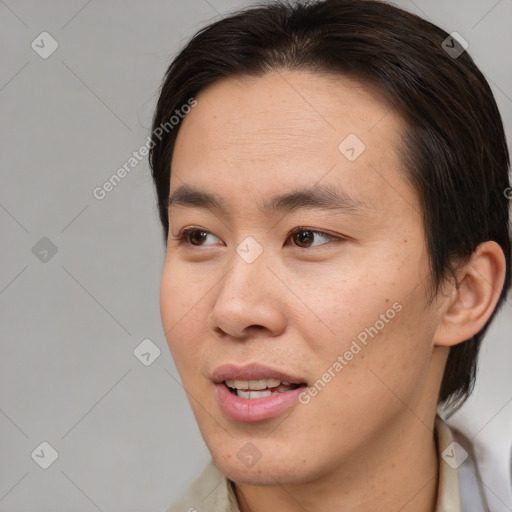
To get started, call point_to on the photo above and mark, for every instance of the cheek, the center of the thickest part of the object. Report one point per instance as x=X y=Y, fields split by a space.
x=380 y=354
x=183 y=310
x=376 y=315
x=337 y=307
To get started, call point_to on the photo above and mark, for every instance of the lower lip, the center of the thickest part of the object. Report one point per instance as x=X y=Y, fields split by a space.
x=255 y=409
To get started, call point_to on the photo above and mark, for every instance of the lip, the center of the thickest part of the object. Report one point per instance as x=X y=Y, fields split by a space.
x=256 y=409
x=252 y=371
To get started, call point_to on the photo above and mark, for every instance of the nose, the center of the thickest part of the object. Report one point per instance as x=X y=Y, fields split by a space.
x=249 y=301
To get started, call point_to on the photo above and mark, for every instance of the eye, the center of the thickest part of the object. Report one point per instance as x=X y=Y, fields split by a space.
x=193 y=236
x=305 y=237
x=302 y=237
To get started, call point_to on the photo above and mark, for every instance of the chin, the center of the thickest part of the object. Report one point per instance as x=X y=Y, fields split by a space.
x=264 y=471
x=258 y=475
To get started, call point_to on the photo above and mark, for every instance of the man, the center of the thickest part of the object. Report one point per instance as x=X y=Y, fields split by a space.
x=333 y=204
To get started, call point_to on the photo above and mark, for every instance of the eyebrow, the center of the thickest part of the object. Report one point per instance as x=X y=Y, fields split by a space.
x=325 y=197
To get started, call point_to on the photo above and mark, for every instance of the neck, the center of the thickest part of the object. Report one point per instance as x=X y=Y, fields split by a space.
x=397 y=471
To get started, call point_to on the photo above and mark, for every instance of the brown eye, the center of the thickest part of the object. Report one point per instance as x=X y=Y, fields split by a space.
x=305 y=238
x=197 y=237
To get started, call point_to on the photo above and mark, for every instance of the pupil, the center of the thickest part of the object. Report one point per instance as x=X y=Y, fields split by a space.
x=195 y=238
x=305 y=237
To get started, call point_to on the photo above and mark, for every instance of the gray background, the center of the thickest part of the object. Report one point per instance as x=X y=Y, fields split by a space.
x=125 y=437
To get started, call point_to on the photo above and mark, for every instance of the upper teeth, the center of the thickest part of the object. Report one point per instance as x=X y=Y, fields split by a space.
x=255 y=384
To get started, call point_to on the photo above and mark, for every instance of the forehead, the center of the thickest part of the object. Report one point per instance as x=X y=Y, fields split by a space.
x=271 y=133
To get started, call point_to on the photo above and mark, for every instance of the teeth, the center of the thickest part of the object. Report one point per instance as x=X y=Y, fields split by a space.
x=260 y=394
x=256 y=385
x=260 y=388
x=253 y=394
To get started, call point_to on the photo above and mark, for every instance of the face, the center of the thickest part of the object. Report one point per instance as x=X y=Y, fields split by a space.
x=295 y=306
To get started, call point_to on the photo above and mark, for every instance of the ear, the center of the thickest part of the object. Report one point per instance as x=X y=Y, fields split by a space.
x=473 y=299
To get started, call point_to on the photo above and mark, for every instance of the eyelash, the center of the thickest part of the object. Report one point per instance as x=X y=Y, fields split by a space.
x=182 y=235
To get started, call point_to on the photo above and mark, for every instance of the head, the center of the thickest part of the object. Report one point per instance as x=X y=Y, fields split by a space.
x=345 y=180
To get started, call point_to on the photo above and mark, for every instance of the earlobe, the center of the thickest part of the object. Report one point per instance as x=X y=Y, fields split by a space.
x=474 y=299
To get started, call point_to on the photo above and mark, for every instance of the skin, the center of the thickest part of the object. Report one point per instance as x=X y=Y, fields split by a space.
x=365 y=442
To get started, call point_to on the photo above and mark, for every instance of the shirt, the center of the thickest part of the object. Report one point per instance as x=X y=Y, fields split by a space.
x=212 y=491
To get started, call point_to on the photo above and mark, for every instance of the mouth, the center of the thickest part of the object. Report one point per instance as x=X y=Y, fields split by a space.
x=260 y=388
x=255 y=392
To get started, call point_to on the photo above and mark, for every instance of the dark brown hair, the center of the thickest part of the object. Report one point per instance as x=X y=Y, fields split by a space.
x=454 y=149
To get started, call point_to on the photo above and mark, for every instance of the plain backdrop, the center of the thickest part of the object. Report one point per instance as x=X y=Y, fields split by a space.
x=79 y=278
